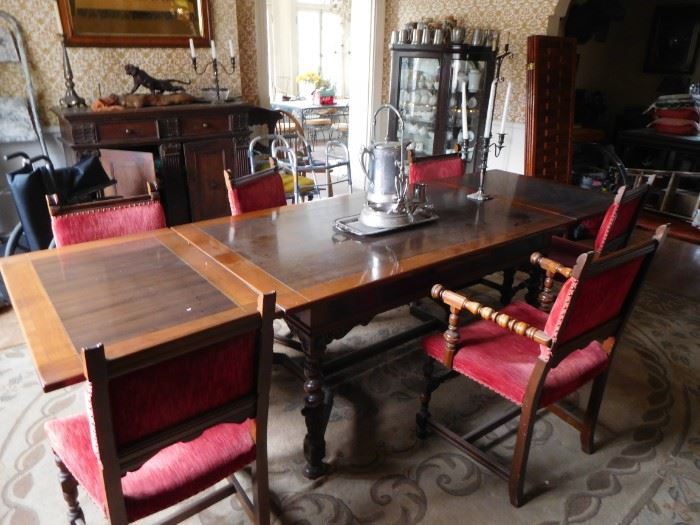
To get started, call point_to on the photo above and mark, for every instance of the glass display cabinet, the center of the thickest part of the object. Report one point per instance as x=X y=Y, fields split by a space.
x=426 y=88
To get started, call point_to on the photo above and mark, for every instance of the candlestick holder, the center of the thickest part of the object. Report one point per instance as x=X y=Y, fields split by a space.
x=215 y=65
x=71 y=99
x=486 y=145
x=485 y=141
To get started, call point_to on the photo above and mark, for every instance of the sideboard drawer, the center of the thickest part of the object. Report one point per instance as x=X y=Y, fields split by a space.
x=194 y=126
x=142 y=129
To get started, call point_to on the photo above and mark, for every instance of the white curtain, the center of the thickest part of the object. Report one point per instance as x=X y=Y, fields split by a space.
x=283 y=49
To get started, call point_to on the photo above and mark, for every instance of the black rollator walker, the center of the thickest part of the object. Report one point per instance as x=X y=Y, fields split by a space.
x=29 y=186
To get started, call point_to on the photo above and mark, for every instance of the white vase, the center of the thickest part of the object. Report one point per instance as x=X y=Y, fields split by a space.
x=306 y=89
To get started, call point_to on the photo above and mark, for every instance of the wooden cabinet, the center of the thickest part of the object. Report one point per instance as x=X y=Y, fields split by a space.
x=205 y=162
x=192 y=145
x=426 y=88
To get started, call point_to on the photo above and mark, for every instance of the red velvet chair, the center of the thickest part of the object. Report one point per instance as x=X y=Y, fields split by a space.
x=426 y=169
x=91 y=221
x=257 y=191
x=614 y=233
x=166 y=423
x=533 y=359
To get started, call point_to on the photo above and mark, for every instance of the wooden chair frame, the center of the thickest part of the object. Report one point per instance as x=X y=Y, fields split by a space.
x=586 y=266
x=117 y=461
x=623 y=196
x=57 y=209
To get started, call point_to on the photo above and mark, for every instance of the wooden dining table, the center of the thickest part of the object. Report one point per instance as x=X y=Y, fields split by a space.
x=133 y=292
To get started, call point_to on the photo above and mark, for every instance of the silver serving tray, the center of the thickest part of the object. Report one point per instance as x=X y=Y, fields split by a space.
x=353 y=225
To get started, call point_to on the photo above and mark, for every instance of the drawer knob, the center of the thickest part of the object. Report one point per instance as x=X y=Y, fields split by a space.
x=128 y=131
x=205 y=125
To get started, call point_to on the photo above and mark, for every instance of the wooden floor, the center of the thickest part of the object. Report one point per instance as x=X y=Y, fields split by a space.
x=676 y=267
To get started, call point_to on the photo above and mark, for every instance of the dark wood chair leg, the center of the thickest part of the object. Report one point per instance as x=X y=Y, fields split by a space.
x=534 y=286
x=516 y=482
x=69 y=486
x=507 y=286
x=261 y=492
x=531 y=402
x=423 y=414
x=591 y=417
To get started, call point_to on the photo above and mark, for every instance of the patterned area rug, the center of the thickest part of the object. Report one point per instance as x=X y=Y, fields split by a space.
x=646 y=470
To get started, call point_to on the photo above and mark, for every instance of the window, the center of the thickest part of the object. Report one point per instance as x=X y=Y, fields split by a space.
x=308 y=35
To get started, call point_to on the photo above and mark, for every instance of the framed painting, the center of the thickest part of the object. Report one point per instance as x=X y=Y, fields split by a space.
x=673 y=40
x=135 y=23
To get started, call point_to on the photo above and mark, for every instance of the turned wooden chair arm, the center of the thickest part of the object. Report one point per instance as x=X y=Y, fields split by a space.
x=550 y=265
x=458 y=302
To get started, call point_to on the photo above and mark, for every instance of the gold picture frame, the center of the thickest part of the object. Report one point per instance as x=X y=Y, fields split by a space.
x=135 y=23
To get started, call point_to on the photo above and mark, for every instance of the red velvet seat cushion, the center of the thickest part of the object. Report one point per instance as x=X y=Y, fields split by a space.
x=267 y=192
x=435 y=169
x=172 y=475
x=504 y=362
x=108 y=222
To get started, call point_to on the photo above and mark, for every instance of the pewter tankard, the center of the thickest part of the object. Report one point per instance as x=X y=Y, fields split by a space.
x=384 y=165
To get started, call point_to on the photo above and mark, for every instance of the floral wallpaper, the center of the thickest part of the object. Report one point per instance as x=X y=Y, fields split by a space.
x=521 y=17
x=103 y=68
x=248 y=53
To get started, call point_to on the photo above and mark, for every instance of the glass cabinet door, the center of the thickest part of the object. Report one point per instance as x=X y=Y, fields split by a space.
x=472 y=75
x=419 y=88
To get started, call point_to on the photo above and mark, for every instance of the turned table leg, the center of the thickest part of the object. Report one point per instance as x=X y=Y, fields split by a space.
x=318 y=402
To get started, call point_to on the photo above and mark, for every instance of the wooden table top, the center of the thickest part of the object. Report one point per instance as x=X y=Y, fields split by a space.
x=556 y=197
x=128 y=293
x=295 y=250
x=133 y=292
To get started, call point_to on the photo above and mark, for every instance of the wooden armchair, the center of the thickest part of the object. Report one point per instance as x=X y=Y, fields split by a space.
x=167 y=422
x=533 y=359
x=613 y=233
x=257 y=191
x=106 y=218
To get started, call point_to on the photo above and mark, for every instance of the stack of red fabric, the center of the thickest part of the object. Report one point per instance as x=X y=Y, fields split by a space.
x=675 y=115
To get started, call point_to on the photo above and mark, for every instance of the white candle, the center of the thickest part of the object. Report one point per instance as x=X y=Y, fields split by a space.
x=489 y=111
x=213 y=50
x=505 y=108
x=59 y=24
x=230 y=48
x=192 y=51
x=465 y=127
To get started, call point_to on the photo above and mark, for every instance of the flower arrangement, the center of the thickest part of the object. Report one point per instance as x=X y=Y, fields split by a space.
x=312 y=77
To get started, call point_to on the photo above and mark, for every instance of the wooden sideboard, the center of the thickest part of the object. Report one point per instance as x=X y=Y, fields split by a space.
x=192 y=145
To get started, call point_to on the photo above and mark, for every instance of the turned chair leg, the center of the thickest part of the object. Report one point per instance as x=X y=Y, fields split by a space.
x=69 y=486
x=591 y=417
x=423 y=413
x=546 y=297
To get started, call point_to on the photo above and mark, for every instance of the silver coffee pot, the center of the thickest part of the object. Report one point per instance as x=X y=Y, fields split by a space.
x=384 y=165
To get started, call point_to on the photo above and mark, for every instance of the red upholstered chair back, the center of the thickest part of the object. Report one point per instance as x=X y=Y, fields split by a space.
x=146 y=401
x=257 y=191
x=151 y=399
x=426 y=169
x=595 y=301
x=72 y=224
x=620 y=219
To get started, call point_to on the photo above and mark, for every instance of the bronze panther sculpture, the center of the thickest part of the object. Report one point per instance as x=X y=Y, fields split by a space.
x=155 y=85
